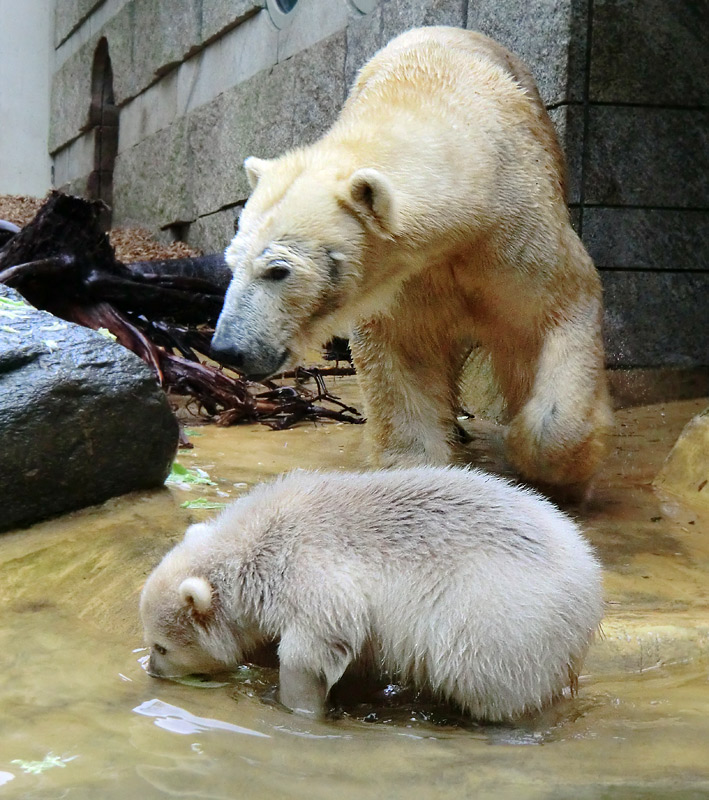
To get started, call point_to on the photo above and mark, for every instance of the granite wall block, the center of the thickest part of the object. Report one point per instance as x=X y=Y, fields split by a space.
x=319 y=88
x=648 y=238
x=363 y=38
x=71 y=83
x=654 y=318
x=398 y=16
x=69 y=14
x=289 y=105
x=647 y=157
x=164 y=32
x=217 y=16
x=568 y=122
x=154 y=180
x=311 y=22
x=253 y=118
x=70 y=98
x=540 y=33
x=219 y=135
x=654 y=52
x=366 y=34
x=213 y=232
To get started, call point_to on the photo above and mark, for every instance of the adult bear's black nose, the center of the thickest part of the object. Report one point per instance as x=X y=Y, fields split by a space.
x=225 y=352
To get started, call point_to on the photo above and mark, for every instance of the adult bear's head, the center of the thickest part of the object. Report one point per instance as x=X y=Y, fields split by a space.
x=308 y=228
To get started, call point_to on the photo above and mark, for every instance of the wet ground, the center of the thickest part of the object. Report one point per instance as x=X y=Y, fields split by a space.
x=79 y=718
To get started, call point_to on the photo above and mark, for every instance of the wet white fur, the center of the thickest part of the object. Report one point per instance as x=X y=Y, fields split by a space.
x=452 y=579
x=430 y=219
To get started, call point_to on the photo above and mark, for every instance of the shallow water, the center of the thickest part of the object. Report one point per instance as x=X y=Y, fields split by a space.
x=79 y=718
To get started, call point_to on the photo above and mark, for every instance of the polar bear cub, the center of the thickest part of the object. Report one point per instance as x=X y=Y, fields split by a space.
x=450 y=579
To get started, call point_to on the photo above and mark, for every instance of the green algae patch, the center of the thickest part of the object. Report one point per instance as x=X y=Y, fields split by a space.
x=7 y=304
x=199 y=682
x=38 y=767
x=181 y=475
x=203 y=502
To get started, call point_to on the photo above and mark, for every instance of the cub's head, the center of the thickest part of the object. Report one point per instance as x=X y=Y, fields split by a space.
x=297 y=259
x=186 y=624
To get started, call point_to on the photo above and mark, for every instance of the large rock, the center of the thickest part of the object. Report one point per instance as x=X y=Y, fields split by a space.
x=685 y=472
x=82 y=419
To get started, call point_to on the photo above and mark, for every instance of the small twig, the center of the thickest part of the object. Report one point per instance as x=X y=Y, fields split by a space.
x=325 y=371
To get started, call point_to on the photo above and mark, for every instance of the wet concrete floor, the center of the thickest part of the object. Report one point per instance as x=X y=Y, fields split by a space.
x=79 y=718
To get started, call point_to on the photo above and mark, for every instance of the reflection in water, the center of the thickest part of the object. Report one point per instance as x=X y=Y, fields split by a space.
x=177 y=720
x=73 y=685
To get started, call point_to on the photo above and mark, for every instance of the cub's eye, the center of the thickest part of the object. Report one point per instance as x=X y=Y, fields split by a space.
x=276 y=271
x=160 y=649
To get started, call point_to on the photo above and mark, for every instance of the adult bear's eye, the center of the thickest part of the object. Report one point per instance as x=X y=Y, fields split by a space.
x=160 y=649
x=276 y=271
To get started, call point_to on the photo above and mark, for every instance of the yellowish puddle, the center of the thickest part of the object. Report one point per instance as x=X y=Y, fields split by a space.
x=79 y=718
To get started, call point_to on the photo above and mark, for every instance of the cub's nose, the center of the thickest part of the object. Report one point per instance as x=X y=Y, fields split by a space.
x=152 y=668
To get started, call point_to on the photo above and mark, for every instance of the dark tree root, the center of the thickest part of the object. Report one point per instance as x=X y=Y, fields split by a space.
x=163 y=311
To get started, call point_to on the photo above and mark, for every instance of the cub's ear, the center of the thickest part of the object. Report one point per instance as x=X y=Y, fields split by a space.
x=196 y=592
x=255 y=167
x=372 y=196
x=196 y=531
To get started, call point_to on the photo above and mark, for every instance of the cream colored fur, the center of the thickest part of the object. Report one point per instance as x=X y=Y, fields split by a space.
x=431 y=218
x=452 y=579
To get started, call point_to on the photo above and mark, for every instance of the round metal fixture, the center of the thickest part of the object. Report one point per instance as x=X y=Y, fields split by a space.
x=281 y=11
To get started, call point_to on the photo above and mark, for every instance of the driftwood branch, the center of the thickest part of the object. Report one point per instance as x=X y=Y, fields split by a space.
x=164 y=311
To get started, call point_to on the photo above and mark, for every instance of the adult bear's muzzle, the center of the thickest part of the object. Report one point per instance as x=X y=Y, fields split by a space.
x=254 y=361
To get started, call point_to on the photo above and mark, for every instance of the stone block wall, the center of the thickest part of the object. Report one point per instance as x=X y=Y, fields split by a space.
x=201 y=84
x=640 y=143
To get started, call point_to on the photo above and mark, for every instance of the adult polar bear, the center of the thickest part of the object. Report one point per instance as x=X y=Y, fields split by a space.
x=431 y=218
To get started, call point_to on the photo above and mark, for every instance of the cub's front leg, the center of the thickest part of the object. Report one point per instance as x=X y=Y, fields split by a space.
x=309 y=668
x=302 y=690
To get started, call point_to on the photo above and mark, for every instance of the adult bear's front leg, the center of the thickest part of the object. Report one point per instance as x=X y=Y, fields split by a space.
x=408 y=374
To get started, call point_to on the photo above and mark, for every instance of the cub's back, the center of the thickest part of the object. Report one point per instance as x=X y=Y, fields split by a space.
x=418 y=515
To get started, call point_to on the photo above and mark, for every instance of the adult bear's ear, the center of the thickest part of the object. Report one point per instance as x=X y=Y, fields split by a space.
x=255 y=167
x=371 y=195
x=196 y=593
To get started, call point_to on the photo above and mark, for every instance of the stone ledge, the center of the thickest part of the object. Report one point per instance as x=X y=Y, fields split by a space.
x=685 y=473
x=644 y=386
x=636 y=645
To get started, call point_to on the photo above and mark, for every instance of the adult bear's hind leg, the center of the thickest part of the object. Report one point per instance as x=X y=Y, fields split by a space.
x=559 y=436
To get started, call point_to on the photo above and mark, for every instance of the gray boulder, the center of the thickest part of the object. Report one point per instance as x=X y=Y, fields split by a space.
x=82 y=419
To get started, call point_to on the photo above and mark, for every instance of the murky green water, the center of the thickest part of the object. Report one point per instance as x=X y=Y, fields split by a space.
x=79 y=718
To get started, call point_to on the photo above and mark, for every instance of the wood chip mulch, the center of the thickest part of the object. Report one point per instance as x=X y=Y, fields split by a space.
x=19 y=209
x=130 y=244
